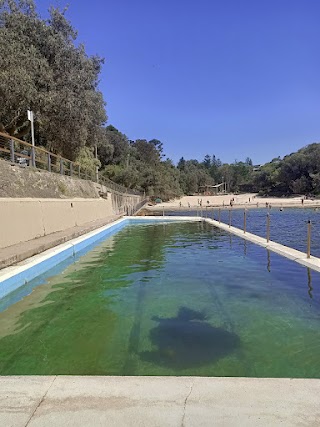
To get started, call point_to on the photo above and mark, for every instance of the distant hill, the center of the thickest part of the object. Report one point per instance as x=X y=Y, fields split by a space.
x=296 y=173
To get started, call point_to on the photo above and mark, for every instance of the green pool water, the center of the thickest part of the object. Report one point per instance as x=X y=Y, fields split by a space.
x=166 y=299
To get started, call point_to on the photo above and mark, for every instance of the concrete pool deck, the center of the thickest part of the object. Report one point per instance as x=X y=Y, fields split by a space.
x=157 y=401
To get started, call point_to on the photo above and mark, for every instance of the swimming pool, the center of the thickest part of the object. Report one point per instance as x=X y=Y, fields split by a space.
x=287 y=226
x=166 y=299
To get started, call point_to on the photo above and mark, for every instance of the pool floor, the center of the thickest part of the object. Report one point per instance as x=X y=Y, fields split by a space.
x=167 y=299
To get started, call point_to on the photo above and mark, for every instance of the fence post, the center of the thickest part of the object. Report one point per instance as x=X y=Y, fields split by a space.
x=12 y=150
x=229 y=218
x=61 y=166
x=268 y=227
x=71 y=168
x=219 y=216
x=309 y=239
x=244 y=221
x=49 y=162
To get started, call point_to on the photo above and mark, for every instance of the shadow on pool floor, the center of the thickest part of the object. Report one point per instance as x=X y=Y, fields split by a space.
x=188 y=341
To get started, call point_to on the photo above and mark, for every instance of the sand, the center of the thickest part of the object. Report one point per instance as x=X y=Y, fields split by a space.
x=240 y=201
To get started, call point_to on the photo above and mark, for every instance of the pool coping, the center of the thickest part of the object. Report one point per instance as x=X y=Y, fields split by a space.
x=13 y=277
x=152 y=401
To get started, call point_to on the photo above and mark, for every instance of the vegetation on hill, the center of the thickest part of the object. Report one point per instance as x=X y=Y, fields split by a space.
x=45 y=70
x=297 y=173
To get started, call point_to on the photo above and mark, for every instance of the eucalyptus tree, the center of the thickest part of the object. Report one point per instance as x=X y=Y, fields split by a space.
x=44 y=70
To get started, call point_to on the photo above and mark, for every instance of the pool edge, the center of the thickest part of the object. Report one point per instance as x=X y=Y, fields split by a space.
x=176 y=401
x=285 y=251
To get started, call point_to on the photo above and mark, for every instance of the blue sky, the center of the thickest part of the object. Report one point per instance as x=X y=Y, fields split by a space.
x=234 y=78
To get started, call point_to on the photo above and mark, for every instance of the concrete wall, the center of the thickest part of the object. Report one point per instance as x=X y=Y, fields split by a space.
x=125 y=203
x=20 y=182
x=26 y=219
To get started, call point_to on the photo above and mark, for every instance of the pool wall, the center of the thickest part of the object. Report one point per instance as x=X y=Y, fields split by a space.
x=23 y=220
x=11 y=278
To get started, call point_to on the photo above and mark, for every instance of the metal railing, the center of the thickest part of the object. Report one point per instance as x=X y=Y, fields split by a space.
x=117 y=187
x=138 y=206
x=24 y=154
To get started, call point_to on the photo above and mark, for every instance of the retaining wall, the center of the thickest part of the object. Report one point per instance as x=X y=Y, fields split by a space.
x=26 y=219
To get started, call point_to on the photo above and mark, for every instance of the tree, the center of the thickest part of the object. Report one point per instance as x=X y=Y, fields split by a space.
x=147 y=152
x=42 y=69
x=87 y=160
x=181 y=164
x=193 y=176
x=296 y=173
x=114 y=147
x=207 y=161
x=159 y=146
x=216 y=162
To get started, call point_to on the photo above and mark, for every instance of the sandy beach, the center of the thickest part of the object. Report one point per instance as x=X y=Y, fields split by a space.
x=248 y=200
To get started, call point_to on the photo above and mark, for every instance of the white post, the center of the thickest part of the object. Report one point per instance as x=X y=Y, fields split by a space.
x=96 y=156
x=30 y=118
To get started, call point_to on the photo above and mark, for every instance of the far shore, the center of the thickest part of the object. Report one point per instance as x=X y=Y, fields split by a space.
x=238 y=201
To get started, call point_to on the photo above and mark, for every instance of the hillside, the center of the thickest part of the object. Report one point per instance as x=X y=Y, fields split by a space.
x=16 y=181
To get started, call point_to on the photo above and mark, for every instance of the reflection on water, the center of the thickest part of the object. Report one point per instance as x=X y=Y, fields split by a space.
x=14 y=305
x=310 y=288
x=167 y=299
x=287 y=226
x=268 y=261
x=188 y=341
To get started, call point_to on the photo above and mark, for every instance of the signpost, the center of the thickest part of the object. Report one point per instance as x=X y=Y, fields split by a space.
x=30 y=118
x=96 y=156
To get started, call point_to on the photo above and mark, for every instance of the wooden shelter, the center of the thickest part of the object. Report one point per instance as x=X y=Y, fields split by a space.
x=212 y=190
